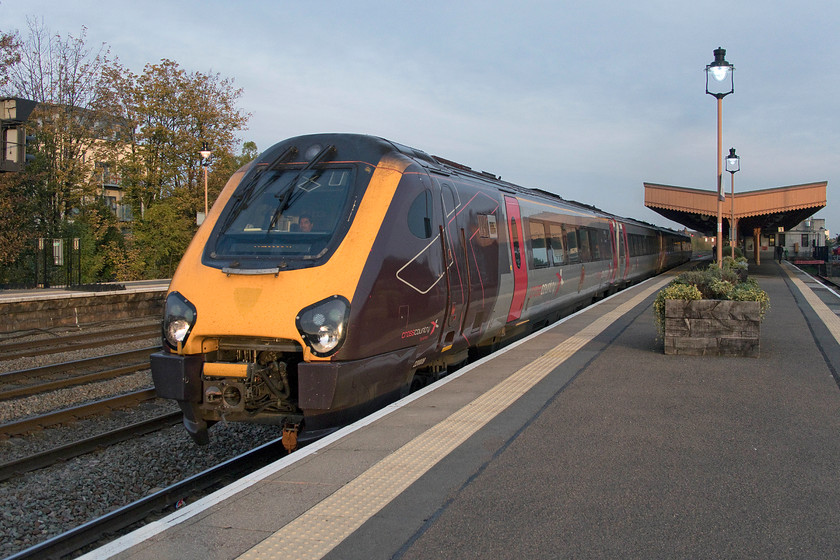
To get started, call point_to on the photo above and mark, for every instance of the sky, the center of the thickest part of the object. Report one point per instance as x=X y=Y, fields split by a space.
x=588 y=100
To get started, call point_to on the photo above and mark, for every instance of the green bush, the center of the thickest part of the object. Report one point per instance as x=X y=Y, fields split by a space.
x=674 y=290
x=728 y=283
x=713 y=282
x=737 y=265
x=750 y=291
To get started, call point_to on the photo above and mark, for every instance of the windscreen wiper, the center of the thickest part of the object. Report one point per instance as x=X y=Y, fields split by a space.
x=243 y=199
x=286 y=194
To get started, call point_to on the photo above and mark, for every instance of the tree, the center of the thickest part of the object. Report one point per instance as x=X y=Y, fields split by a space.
x=172 y=113
x=162 y=237
x=65 y=77
x=146 y=129
x=16 y=231
x=249 y=154
x=9 y=55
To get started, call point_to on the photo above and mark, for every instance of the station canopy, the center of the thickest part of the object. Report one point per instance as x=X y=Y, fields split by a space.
x=767 y=209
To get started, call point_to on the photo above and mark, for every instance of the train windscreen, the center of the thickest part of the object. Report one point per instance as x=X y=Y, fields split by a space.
x=284 y=213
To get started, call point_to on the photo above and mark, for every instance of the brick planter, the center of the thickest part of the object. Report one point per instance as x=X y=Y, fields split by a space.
x=711 y=327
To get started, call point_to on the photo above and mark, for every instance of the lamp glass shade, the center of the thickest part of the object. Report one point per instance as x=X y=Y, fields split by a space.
x=720 y=75
x=719 y=72
x=733 y=163
x=719 y=88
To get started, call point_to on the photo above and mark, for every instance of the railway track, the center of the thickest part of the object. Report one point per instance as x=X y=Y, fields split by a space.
x=71 y=414
x=87 y=445
x=129 y=362
x=828 y=282
x=92 y=532
x=67 y=343
x=55 y=470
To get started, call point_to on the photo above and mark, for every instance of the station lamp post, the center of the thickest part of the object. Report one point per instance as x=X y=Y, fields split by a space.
x=205 y=156
x=733 y=165
x=719 y=83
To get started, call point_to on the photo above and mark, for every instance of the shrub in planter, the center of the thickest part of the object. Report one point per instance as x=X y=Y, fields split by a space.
x=716 y=311
x=674 y=290
x=738 y=266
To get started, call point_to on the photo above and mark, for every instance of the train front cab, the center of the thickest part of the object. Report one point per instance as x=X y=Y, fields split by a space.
x=256 y=326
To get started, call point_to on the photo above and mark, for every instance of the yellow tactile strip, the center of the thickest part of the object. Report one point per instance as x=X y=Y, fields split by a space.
x=319 y=530
x=826 y=315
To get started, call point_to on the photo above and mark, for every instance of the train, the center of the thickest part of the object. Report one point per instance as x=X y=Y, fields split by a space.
x=336 y=273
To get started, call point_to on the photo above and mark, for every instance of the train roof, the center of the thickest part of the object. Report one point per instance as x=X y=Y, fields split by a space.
x=444 y=166
x=440 y=164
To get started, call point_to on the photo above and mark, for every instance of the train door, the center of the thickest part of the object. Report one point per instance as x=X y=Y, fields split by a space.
x=663 y=252
x=423 y=271
x=621 y=252
x=614 y=247
x=626 y=247
x=516 y=239
x=453 y=235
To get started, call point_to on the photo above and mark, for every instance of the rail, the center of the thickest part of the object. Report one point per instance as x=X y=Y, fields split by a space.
x=71 y=414
x=91 y=532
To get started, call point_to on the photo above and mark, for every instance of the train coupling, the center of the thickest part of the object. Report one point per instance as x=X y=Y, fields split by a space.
x=290 y=436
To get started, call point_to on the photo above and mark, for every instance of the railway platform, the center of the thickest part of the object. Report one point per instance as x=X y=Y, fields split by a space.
x=50 y=308
x=18 y=295
x=582 y=441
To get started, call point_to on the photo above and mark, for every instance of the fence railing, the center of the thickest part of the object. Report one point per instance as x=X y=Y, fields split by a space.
x=58 y=262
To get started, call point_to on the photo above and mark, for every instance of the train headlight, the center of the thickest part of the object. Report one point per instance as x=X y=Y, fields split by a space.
x=178 y=319
x=324 y=325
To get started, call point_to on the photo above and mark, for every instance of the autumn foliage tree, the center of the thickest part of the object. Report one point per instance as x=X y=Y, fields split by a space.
x=145 y=129
x=171 y=114
x=64 y=76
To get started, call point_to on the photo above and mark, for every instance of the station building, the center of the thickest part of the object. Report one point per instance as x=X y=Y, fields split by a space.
x=762 y=219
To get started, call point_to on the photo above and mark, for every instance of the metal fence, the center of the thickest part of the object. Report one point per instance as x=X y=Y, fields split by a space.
x=58 y=262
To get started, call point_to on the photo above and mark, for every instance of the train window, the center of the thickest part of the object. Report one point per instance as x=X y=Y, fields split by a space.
x=604 y=248
x=556 y=246
x=641 y=245
x=487 y=226
x=594 y=245
x=514 y=233
x=622 y=244
x=635 y=244
x=420 y=215
x=287 y=212
x=584 y=250
x=571 y=244
x=449 y=205
x=539 y=251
